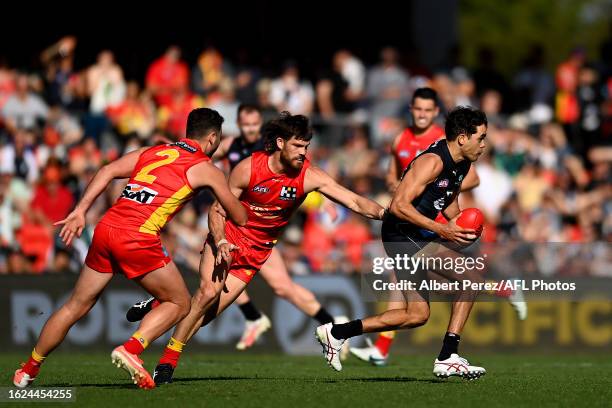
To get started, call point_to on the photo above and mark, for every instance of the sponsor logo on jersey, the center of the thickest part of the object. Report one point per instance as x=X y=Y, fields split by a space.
x=403 y=153
x=439 y=204
x=288 y=193
x=443 y=183
x=138 y=193
x=260 y=189
x=185 y=146
x=269 y=213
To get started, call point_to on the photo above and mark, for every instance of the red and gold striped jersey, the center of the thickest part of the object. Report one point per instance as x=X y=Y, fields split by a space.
x=158 y=187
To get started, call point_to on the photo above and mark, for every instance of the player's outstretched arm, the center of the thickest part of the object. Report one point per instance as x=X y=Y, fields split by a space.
x=205 y=174
x=74 y=223
x=318 y=180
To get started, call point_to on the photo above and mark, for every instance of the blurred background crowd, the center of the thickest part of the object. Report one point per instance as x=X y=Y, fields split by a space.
x=546 y=176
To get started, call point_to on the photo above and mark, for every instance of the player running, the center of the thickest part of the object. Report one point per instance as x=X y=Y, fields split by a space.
x=273 y=271
x=126 y=240
x=406 y=146
x=271 y=185
x=430 y=184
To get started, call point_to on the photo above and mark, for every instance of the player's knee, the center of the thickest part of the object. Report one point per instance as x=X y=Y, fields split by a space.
x=471 y=291
x=206 y=293
x=283 y=289
x=184 y=305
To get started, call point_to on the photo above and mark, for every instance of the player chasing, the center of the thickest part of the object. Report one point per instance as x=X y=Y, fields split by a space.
x=430 y=184
x=273 y=271
x=126 y=240
x=406 y=146
x=271 y=185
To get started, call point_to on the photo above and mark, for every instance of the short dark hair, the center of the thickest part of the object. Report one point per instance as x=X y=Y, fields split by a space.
x=285 y=126
x=202 y=121
x=463 y=120
x=425 y=93
x=248 y=108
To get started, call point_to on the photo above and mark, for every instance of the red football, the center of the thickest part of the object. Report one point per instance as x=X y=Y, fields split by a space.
x=471 y=218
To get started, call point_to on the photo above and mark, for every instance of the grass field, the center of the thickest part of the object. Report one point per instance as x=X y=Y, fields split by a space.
x=254 y=380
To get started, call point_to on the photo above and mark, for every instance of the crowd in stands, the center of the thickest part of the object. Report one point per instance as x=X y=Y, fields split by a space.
x=546 y=176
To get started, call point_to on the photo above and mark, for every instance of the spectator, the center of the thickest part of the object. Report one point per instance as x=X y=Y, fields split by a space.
x=135 y=116
x=209 y=72
x=18 y=158
x=24 y=109
x=388 y=91
x=167 y=75
x=290 y=93
x=105 y=83
x=52 y=200
x=340 y=90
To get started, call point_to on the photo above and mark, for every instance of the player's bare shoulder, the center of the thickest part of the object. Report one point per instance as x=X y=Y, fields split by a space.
x=315 y=178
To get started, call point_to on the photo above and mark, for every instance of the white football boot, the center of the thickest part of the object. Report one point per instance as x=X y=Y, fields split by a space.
x=370 y=354
x=458 y=366
x=332 y=347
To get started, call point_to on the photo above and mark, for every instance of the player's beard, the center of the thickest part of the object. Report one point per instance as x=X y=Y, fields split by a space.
x=291 y=163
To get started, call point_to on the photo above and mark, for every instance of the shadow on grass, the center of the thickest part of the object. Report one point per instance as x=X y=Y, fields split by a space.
x=316 y=380
x=98 y=385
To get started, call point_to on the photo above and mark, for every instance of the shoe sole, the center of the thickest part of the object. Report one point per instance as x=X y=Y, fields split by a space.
x=142 y=380
x=470 y=375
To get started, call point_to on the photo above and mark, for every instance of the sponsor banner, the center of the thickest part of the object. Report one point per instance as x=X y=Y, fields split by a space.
x=27 y=301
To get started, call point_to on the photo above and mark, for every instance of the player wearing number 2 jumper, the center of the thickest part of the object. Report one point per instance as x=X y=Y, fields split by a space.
x=126 y=240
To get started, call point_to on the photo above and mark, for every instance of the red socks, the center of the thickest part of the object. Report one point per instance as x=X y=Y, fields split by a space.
x=384 y=341
x=136 y=344
x=32 y=367
x=172 y=352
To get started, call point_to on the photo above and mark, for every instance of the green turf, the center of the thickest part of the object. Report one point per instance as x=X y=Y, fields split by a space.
x=252 y=380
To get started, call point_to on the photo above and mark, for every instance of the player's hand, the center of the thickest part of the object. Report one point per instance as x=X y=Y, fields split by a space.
x=453 y=232
x=224 y=253
x=73 y=225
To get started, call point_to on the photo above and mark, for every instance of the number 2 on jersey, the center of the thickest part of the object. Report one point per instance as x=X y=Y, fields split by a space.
x=144 y=176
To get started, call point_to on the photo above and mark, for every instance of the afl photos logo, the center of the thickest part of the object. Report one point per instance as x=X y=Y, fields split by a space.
x=138 y=193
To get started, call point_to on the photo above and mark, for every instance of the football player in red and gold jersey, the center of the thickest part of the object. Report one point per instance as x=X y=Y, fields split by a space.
x=271 y=185
x=126 y=240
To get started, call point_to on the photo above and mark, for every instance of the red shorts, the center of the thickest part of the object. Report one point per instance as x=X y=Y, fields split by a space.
x=248 y=259
x=116 y=250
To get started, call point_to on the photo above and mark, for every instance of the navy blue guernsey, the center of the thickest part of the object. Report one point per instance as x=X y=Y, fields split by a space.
x=441 y=192
x=240 y=150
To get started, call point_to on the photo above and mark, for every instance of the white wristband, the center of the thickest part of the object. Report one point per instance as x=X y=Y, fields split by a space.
x=221 y=242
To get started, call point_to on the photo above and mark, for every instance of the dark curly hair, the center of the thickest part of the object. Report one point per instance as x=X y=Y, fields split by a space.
x=463 y=120
x=285 y=127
